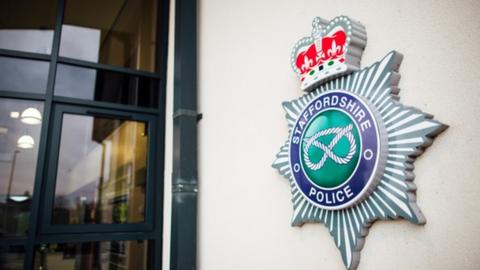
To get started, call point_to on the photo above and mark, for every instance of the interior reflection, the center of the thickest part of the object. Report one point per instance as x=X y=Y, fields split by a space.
x=106 y=86
x=20 y=123
x=27 y=25
x=101 y=171
x=120 y=33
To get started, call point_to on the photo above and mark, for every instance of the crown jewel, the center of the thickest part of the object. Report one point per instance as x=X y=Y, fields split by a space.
x=333 y=49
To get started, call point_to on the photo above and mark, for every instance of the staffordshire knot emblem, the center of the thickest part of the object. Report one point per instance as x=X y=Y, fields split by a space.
x=328 y=150
x=351 y=145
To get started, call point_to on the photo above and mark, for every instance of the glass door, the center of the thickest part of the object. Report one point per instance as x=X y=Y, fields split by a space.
x=99 y=179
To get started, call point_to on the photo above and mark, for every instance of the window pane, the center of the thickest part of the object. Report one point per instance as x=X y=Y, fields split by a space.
x=101 y=175
x=108 y=86
x=27 y=25
x=20 y=122
x=121 y=33
x=11 y=258
x=21 y=75
x=93 y=255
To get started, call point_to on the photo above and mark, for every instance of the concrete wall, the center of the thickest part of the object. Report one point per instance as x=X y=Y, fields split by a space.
x=244 y=75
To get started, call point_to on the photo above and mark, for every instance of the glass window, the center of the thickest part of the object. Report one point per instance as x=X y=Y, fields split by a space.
x=11 y=258
x=121 y=33
x=108 y=86
x=93 y=255
x=101 y=174
x=27 y=25
x=21 y=75
x=20 y=122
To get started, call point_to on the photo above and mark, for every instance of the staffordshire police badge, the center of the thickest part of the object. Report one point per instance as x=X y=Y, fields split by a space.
x=351 y=146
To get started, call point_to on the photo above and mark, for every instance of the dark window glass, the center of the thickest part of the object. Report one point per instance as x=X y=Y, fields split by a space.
x=107 y=86
x=11 y=258
x=27 y=25
x=101 y=175
x=20 y=122
x=121 y=33
x=93 y=255
x=21 y=75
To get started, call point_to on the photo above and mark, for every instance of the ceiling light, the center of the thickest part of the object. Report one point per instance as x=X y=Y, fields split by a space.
x=19 y=198
x=14 y=115
x=31 y=116
x=25 y=142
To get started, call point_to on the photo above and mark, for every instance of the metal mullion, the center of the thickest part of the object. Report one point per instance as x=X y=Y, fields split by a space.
x=93 y=237
x=158 y=182
x=161 y=55
x=43 y=147
x=162 y=34
x=13 y=242
x=21 y=95
x=51 y=163
x=95 y=228
x=24 y=55
x=99 y=66
x=105 y=105
x=153 y=130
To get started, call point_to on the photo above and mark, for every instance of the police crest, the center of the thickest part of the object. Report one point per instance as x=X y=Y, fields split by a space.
x=351 y=146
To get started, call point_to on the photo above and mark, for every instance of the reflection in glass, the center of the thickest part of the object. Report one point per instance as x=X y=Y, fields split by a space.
x=27 y=25
x=121 y=33
x=18 y=160
x=93 y=255
x=108 y=86
x=26 y=142
x=31 y=116
x=101 y=171
x=11 y=258
x=21 y=75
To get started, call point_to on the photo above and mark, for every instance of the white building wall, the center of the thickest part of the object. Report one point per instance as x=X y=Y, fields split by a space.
x=244 y=75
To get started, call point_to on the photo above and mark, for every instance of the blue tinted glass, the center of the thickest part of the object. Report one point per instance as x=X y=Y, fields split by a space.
x=21 y=75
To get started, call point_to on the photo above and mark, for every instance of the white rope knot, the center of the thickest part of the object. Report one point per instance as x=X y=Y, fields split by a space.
x=328 y=150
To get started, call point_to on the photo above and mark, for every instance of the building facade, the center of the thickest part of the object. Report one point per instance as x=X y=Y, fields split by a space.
x=140 y=134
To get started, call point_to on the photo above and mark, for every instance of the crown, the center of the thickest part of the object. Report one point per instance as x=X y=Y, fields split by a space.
x=333 y=49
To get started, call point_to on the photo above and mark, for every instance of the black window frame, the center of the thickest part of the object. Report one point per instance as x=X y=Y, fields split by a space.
x=46 y=225
x=42 y=233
